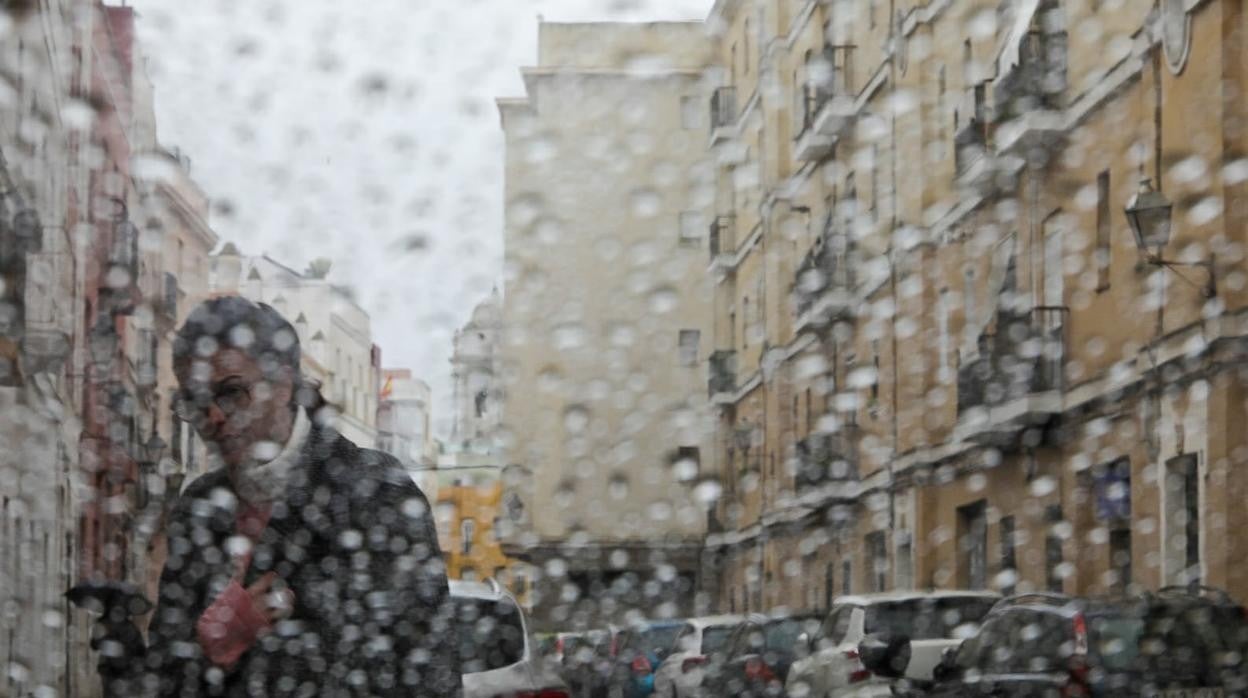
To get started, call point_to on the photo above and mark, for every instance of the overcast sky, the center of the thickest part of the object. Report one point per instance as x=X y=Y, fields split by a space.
x=365 y=132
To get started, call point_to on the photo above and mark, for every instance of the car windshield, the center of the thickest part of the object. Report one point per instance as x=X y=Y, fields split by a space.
x=927 y=619
x=656 y=638
x=713 y=638
x=781 y=635
x=490 y=633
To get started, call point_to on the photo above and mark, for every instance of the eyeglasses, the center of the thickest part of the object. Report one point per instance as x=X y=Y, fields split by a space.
x=191 y=405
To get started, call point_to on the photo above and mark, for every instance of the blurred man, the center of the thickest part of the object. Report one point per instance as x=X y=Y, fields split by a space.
x=303 y=565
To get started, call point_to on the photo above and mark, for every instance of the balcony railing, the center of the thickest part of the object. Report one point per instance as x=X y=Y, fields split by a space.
x=1023 y=357
x=168 y=306
x=723 y=237
x=825 y=279
x=827 y=106
x=1029 y=98
x=723 y=373
x=1037 y=81
x=827 y=457
x=723 y=107
x=831 y=77
x=971 y=138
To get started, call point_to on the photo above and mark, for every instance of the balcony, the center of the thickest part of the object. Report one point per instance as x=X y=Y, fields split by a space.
x=722 y=383
x=119 y=293
x=823 y=290
x=723 y=243
x=828 y=104
x=1027 y=96
x=1016 y=380
x=167 y=307
x=827 y=458
x=723 y=113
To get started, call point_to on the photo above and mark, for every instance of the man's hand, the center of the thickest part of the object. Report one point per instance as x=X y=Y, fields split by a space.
x=272 y=602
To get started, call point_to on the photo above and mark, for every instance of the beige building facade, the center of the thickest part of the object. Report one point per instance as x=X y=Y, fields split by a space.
x=606 y=318
x=940 y=357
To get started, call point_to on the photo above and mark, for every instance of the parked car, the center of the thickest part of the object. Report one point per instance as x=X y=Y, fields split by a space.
x=1173 y=644
x=757 y=657
x=933 y=621
x=639 y=649
x=680 y=674
x=497 y=654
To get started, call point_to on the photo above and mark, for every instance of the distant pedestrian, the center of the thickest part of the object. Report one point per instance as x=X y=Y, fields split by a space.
x=304 y=565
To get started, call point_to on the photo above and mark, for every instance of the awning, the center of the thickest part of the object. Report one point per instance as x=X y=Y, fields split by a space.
x=1024 y=12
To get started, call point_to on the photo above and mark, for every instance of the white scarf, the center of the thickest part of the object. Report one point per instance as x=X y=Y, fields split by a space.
x=260 y=481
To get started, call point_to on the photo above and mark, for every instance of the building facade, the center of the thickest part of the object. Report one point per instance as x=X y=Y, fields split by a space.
x=605 y=317
x=335 y=333
x=941 y=359
x=477 y=379
x=87 y=239
x=404 y=420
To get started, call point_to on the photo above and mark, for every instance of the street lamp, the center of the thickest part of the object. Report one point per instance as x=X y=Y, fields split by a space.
x=1150 y=215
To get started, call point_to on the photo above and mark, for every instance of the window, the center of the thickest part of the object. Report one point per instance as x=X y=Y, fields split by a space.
x=1009 y=562
x=905 y=561
x=847 y=576
x=1103 y=231
x=690 y=112
x=1182 y=520
x=877 y=561
x=1053 y=551
x=1120 y=558
x=746 y=68
x=692 y=225
x=829 y=586
x=973 y=545
x=688 y=347
x=467 y=531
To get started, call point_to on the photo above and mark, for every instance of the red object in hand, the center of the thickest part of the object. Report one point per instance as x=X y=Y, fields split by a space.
x=229 y=626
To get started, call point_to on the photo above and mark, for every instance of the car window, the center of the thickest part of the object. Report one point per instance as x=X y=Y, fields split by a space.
x=926 y=619
x=837 y=625
x=714 y=638
x=490 y=633
x=1030 y=641
x=781 y=635
x=657 y=638
x=686 y=640
x=1114 y=641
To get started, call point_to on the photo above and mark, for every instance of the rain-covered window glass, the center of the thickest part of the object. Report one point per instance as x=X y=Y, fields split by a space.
x=625 y=316
x=490 y=634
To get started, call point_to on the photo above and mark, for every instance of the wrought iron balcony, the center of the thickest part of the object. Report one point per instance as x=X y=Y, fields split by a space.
x=828 y=103
x=723 y=241
x=1016 y=380
x=722 y=382
x=827 y=457
x=168 y=305
x=1028 y=96
x=723 y=111
x=824 y=283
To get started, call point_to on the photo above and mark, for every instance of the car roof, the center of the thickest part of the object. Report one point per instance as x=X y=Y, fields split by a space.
x=890 y=596
x=712 y=621
x=488 y=590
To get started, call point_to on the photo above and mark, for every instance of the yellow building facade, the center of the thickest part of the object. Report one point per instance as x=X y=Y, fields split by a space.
x=940 y=357
x=467 y=512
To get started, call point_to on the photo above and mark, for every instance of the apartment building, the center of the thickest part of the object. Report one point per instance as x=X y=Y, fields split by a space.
x=605 y=318
x=945 y=355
